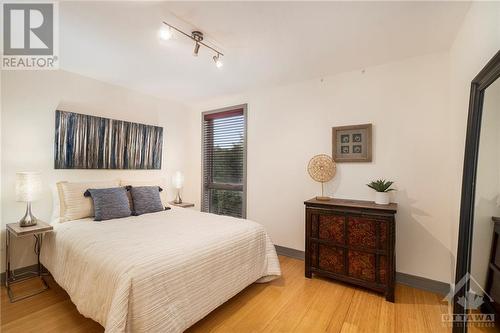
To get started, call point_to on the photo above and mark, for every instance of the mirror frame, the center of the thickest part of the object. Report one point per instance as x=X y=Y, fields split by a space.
x=486 y=77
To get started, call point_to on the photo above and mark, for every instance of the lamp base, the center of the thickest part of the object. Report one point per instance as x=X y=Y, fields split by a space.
x=322 y=197
x=178 y=199
x=28 y=219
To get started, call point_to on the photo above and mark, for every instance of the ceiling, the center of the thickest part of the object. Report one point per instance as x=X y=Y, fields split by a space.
x=265 y=43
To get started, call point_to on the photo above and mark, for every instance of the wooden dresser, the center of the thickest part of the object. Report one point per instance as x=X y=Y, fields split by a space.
x=352 y=241
x=492 y=305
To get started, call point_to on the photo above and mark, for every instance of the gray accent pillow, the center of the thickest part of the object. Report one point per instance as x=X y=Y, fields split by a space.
x=110 y=203
x=146 y=199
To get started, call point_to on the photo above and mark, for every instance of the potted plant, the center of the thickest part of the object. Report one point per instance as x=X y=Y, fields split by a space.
x=382 y=188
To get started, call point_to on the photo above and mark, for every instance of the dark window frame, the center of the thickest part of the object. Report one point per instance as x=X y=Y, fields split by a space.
x=210 y=185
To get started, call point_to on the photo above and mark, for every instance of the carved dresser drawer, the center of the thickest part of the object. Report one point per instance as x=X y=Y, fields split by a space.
x=352 y=241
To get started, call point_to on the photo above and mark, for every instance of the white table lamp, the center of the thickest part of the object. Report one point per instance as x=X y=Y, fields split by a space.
x=28 y=188
x=178 y=182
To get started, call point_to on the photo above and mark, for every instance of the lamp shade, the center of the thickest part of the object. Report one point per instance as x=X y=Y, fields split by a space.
x=178 y=180
x=28 y=186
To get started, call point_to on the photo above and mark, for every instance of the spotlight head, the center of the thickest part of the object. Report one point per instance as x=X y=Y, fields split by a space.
x=218 y=61
x=196 y=49
x=165 y=33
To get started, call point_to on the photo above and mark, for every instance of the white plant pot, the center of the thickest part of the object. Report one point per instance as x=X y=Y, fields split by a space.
x=382 y=198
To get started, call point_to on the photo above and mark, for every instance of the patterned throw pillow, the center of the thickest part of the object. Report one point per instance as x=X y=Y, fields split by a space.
x=146 y=199
x=109 y=203
x=149 y=182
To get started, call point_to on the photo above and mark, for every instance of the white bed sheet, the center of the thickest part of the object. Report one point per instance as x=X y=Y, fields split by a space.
x=159 y=272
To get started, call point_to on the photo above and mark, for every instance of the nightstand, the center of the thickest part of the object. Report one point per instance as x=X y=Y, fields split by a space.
x=183 y=204
x=37 y=231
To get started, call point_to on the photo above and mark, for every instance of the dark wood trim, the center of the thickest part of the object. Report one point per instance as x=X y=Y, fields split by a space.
x=438 y=287
x=308 y=265
x=391 y=260
x=486 y=77
x=355 y=204
x=289 y=252
x=224 y=114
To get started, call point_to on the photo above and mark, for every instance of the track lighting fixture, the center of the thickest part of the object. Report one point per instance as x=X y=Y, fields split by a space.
x=196 y=36
x=165 y=33
x=218 y=61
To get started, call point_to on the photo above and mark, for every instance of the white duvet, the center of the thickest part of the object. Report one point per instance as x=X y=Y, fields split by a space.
x=159 y=272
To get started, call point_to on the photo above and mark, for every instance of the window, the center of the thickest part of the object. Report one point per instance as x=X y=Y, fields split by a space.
x=224 y=161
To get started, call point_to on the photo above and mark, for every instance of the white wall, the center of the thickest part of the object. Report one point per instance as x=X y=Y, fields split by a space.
x=419 y=111
x=407 y=103
x=476 y=43
x=29 y=101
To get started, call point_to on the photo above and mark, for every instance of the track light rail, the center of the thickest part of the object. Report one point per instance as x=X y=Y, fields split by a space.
x=194 y=39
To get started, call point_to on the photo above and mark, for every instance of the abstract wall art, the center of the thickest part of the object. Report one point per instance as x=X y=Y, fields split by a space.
x=89 y=142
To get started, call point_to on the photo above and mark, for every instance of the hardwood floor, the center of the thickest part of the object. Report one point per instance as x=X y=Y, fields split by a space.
x=290 y=304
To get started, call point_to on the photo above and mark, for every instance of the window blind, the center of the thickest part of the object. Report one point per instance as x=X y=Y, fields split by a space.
x=224 y=158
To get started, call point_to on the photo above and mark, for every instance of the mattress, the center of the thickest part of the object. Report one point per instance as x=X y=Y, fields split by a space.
x=159 y=272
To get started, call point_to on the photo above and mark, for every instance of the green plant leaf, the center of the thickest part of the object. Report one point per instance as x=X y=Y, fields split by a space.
x=381 y=185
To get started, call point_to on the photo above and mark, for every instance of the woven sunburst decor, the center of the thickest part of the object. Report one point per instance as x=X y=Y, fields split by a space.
x=322 y=169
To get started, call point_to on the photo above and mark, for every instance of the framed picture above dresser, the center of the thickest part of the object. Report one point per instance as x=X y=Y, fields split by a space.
x=352 y=143
x=352 y=241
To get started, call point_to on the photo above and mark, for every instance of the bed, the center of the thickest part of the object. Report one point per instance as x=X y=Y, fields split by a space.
x=159 y=272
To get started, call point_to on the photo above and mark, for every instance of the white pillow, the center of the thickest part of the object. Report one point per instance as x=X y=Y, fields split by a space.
x=56 y=205
x=152 y=182
x=73 y=204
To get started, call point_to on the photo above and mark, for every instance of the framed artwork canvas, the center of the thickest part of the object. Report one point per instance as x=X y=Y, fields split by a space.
x=90 y=142
x=352 y=143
